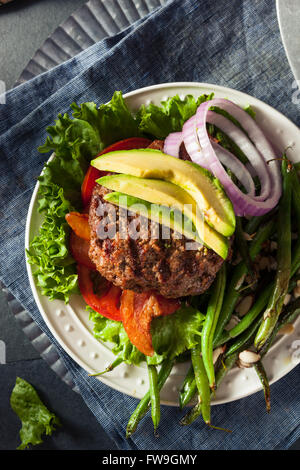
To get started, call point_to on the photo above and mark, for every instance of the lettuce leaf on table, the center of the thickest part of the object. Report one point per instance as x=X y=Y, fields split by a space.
x=35 y=417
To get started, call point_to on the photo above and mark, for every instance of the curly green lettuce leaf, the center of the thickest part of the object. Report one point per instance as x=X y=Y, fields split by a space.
x=114 y=333
x=35 y=417
x=159 y=121
x=55 y=269
x=112 y=121
x=172 y=335
x=90 y=129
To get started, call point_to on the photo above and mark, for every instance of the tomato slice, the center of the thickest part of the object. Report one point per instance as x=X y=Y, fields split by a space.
x=98 y=293
x=137 y=312
x=79 y=223
x=88 y=184
x=79 y=249
x=93 y=174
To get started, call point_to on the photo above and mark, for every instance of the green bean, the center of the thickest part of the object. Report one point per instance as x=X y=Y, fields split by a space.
x=255 y=310
x=240 y=270
x=248 y=319
x=236 y=347
x=209 y=326
x=289 y=314
x=201 y=382
x=144 y=404
x=241 y=244
x=109 y=368
x=154 y=395
x=280 y=289
x=188 y=388
x=195 y=411
x=262 y=375
x=296 y=205
x=228 y=363
x=253 y=224
x=192 y=414
x=257 y=220
x=245 y=339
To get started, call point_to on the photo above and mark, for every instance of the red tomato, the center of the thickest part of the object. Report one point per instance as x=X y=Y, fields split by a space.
x=79 y=223
x=93 y=174
x=99 y=294
x=88 y=184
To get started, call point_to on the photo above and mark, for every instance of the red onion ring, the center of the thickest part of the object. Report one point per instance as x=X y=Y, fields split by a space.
x=231 y=162
x=193 y=148
x=255 y=158
x=243 y=204
x=172 y=144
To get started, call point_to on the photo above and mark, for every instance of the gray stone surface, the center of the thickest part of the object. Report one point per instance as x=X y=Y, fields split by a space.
x=24 y=26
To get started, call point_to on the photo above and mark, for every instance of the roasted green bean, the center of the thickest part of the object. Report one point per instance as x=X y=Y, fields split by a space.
x=195 y=411
x=296 y=205
x=109 y=368
x=144 y=404
x=245 y=339
x=240 y=271
x=255 y=310
x=262 y=375
x=281 y=284
x=209 y=326
x=202 y=383
x=188 y=388
x=288 y=315
x=154 y=395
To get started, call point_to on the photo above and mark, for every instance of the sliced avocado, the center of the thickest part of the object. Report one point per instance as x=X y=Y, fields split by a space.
x=155 y=191
x=156 y=212
x=166 y=194
x=195 y=180
x=170 y=218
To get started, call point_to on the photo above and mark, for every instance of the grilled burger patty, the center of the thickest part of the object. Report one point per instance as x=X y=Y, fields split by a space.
x=146 y=263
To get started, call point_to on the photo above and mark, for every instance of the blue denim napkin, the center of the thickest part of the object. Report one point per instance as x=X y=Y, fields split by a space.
x=236 y=44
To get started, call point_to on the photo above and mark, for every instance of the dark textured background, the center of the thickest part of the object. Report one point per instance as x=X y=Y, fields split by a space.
x=24 y=25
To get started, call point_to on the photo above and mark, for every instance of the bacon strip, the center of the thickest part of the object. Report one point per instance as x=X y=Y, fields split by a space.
x=138 y=310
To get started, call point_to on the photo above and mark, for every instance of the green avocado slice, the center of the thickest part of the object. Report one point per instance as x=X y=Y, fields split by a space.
x=199 y=183
x=167 y=217
x=167 y=194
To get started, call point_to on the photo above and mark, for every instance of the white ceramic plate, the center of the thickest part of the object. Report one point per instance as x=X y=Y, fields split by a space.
x=70 y=324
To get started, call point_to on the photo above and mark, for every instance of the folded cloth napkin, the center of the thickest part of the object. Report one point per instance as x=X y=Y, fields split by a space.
x=235 y=44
